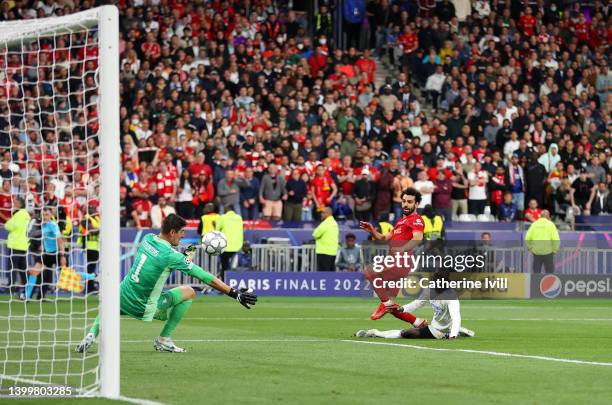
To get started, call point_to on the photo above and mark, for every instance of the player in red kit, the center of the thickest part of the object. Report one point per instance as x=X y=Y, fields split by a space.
x=406 y=234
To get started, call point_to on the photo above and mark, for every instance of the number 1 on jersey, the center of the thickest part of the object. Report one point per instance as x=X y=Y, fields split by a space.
x=143 y=259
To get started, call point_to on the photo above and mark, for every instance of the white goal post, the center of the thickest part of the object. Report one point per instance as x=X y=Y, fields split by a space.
x=101 y=23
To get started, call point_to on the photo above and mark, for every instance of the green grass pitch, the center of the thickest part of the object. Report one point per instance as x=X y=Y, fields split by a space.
x=298 y=351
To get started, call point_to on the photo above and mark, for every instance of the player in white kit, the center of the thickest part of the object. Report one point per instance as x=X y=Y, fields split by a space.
x=446 y=323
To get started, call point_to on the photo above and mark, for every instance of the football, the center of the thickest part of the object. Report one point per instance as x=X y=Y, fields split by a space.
x=214 y=243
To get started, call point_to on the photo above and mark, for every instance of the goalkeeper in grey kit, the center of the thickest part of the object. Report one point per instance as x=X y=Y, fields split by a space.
x=141 y=292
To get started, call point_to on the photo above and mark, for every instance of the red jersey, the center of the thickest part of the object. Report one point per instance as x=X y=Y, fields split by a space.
x=165 y=184
x=71 y=207
x=345 y=186
x=535 y=213
x=582 y=31
x=368 y=66
x=528 y=24
x=144 y=219
x=497 y=196
x=6 y=205
x=373 y=171
x=195 y=169
x=409 y=41
x=405 y=228
x=479 y=154
x=322 y=188
x=433 y=173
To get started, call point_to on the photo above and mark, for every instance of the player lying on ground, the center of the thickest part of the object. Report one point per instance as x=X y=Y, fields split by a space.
x=405 y=236
x=141 y=290
x=446 y=323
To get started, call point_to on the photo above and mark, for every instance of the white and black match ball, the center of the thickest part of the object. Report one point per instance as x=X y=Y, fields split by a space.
x=214 y=243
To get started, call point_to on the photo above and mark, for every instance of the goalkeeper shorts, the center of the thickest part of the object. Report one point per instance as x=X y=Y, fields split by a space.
x=133 y=310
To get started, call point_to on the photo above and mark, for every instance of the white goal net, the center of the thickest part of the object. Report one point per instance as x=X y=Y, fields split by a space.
x=58 y=199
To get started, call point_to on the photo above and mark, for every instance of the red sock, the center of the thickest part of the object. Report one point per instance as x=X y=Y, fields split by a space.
x=404 y=316
x=393 y=292
x=381 y=292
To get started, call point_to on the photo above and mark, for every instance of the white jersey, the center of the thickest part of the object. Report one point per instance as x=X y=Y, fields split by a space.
x=446 y=320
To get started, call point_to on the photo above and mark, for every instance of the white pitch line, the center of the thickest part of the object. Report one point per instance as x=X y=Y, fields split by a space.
x=498 y=354
x=138 y=401
x=237 y=340
x=16 y=379
x=315 y=318
x=366 y=318
x=21 y=342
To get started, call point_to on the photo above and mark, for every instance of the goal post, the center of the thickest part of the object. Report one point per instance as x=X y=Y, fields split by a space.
x=70 y=61
x=109 y=203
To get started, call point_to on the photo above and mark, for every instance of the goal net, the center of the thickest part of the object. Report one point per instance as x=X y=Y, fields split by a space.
x=59 y=107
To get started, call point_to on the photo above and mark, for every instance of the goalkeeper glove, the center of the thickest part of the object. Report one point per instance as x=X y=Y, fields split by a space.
x=245 y=296
x=190 y=252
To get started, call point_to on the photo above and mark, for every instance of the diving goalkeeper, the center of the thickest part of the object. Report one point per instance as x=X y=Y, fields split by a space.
x=141 y=290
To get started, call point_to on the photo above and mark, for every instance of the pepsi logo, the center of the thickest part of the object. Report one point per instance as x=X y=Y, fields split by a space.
x=550 y=286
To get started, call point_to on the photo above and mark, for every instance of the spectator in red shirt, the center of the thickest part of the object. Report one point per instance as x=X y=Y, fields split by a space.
x=317 y=62
x=141 y=214
x=151 y=49
x=165 y=182
x=367 y=65
x=582 y=29
x=409 y=42
x=527 y=22
x=198 y=166
x=532 y=213
x=6 y=201
x=323 y=190
x=439 y=168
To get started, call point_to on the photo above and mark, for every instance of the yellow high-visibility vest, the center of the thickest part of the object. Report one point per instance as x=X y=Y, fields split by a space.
x=385 y=227
x=433 y=230
x=232 y=227
x=92 y=241
x=17 y=228
x=209 y=221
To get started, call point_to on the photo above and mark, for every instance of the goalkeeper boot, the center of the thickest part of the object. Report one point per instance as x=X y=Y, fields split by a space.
x=86 y=343
x=383 y=309
x=162 y=344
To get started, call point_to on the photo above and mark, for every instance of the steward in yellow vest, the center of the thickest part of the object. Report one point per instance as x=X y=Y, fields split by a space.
x=209 y=220
x=232 y=227
x=89 y=236
x=434 y=225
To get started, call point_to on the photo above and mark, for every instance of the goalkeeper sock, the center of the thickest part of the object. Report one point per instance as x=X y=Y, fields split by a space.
x=95 y=329
x=177 y=313
x=31 y=284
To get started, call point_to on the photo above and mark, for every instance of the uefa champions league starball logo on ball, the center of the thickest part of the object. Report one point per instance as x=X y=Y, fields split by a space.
x=550 y=286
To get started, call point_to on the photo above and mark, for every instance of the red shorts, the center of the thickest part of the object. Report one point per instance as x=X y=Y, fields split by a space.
x=394 y=273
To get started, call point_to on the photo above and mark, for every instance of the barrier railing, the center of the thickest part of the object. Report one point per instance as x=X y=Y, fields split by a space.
x=286 y=258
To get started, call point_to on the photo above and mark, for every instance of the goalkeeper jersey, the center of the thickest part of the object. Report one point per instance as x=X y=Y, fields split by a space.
x=153 y=263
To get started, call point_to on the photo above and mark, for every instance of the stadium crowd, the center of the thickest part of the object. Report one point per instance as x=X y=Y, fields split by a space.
x=491 y=106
